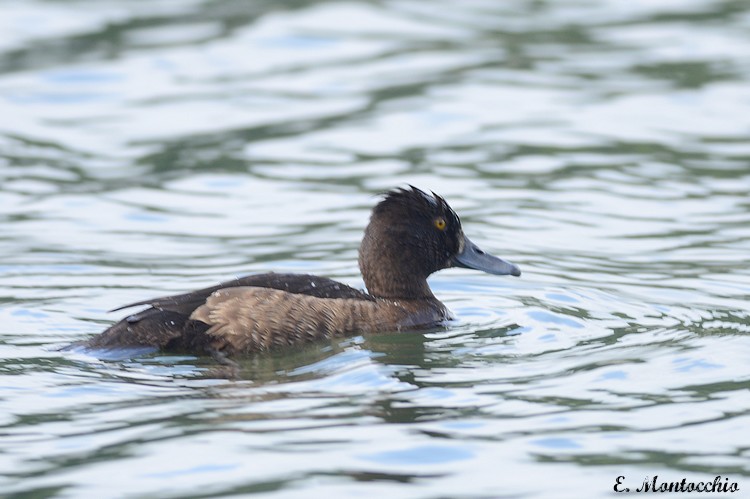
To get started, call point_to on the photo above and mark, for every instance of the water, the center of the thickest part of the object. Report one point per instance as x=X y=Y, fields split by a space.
x=155 y=147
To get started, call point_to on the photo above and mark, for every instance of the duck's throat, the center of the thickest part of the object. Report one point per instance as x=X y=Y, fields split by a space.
x=385 y=282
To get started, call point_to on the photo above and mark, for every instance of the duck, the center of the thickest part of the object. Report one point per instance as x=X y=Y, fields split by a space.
x=411 y=235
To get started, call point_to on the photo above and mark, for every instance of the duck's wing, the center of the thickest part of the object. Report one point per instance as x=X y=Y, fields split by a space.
x=303 y=284
x=243 y=320
x=167 y=324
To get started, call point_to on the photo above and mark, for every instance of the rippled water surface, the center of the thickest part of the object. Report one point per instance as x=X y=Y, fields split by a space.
x=151 y=147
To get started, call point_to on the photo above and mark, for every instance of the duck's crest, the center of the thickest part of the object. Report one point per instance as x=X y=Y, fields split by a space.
x=412 y=198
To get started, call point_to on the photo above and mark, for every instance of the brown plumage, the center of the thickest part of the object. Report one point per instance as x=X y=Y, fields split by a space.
x=411 y=234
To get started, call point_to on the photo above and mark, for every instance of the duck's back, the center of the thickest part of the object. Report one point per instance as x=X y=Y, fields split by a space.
x=167 y=323
x=262 y=312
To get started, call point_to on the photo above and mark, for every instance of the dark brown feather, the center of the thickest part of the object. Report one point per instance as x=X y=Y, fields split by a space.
x=252 y=319
x=305 y=284
x=153 y=327
x=166 y=323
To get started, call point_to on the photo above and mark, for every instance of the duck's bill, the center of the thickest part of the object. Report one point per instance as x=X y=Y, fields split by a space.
x=471 y=257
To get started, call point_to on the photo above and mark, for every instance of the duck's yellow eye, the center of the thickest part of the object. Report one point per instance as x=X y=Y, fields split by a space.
x=440 y=223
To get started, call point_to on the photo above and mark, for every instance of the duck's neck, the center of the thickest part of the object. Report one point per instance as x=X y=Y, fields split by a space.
x=383 y=285
x=392 y=278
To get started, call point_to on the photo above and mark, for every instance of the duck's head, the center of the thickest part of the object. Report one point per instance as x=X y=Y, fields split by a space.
x=413 y=234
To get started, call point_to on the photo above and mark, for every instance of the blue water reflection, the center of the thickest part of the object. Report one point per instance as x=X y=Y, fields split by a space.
x=424 y=455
